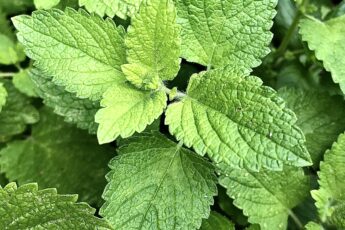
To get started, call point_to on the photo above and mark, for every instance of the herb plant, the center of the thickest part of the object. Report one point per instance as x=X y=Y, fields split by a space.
x=172 y=114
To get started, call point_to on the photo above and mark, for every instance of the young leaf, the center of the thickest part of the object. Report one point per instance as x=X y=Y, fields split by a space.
x=327 y=40
x=238 y=121
x=330 y=197
x=217 y=221
x=3 y=95
x=266 y=197
x=153 y=41
x=45 y=4
x=127 y=110
x=320 y=116
x=155 y=183
x=313 y=226
x=8 y=51
x=121 y=8
x=24 y=84
x=27 y=207
x=58 y=155
x=216 y=33
x=75 y=110
x=16 y=114
x=83 y=52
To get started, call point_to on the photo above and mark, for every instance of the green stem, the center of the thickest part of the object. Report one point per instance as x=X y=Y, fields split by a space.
x=296 y=220
x=5 y=75
x=168 y=91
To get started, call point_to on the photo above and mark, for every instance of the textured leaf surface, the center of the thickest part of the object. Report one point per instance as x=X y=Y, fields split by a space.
x=75 y=110
x=330 y=198
x=121 y=8
x=24 y=84
x=328 y=41
x=266 y=197
x=58 y=155
x=155 y=183
x=127 y=110
x=320 y=116
x=153 y=40
x=3 y=96
x=45 y=4
x=238 y=121
x=217 y=221
x=221 y=32
x=27 y=207
x=16 y=114
x=82 y=52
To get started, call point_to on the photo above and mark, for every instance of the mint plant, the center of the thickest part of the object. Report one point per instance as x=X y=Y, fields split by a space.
x=172 y=114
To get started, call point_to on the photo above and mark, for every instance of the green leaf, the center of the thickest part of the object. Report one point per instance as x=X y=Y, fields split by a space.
x=75 y=110
x=266 y=197
x=127 y=110
x=45 y=4
x=327 y=40
x=238 y=121
x=217 y=221
x=216 y=33
x=8 y=52
x=153 y=42
x=121 y=8
x=58 y=155
x=3 y=96
x=16 y=114
x=27 y=207
x=313 y=226
x=24 y=84
x=5 y=27
x=155 y=183
x=320 y=116
x=83 y=52
x=330 y=197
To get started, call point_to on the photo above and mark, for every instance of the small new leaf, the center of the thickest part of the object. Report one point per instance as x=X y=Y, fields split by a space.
x=155 y=182
x=82 y=52
x=27 y=207
x=217 y=221
x=238 y=121
x=3 y=95
x=328 y=41
x=330 y=197
x=153 y=41
x=127 y=110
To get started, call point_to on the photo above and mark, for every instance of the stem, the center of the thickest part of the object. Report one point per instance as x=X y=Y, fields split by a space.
x=286 y=40
x=4 y=75
x=296 y=219
x=168 y=91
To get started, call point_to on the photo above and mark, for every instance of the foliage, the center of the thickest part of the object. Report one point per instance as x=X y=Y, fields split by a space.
x=172 y=114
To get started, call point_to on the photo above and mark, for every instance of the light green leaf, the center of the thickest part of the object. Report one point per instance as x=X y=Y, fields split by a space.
x=83 y=52
x=266 y=197
x=27 y=207
x=121 y=8
x=319 y=115
x=155 y=183
x=330 y=197
x=24 y=84
x=3 y=96
x=45 y=4
x=58 y=155
x=16 y=114
x=313 y=226
x=216 y=33
x=328 y=41
x=75 y=110
x=237 y=121
x=217 y=221
x=127 y=110
x=8 y=53
x=153 y=41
